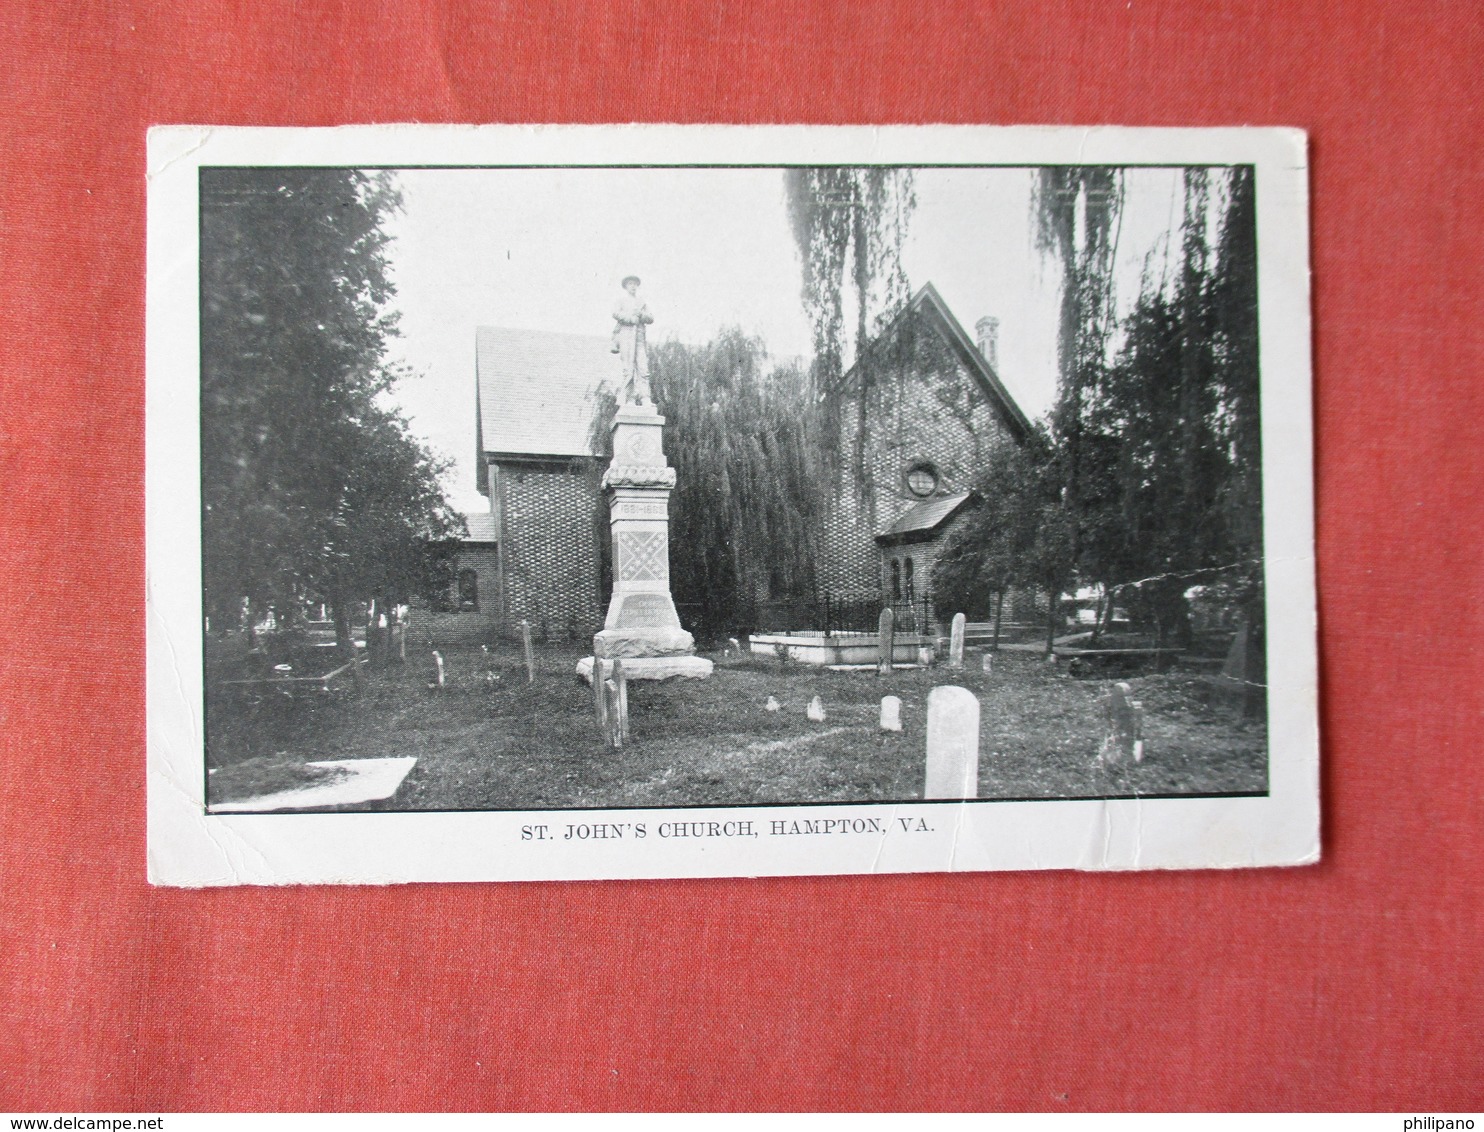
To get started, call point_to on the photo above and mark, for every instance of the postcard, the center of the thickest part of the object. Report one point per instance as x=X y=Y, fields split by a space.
x=545 y=503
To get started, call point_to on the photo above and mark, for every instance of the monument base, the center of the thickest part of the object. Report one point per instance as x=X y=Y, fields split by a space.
x=653 y=668
x=610 y=643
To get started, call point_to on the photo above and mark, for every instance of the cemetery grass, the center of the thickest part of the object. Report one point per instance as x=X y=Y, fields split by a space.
x=490 y=740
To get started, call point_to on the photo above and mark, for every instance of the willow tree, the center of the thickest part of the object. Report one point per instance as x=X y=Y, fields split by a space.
x=745 y=513
x=1076 y=213
x=849 y=224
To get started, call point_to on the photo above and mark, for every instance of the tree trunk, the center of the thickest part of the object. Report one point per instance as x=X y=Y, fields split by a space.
x=1051 y=613
x=999 y=609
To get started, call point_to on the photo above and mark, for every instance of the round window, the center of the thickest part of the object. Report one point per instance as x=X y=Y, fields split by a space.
x=922 y=480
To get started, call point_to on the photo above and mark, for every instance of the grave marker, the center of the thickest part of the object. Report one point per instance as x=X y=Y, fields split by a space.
x=437 y=666
x=987 y=663
x=1138 y=706
x=622 y=683
x=891 y=713
x=952 y=743
x=600 y=702
x=1120 y=727
x=956 y=642
x=816 y=710
x=525 y=642
x=886 y=627
x=612 y=710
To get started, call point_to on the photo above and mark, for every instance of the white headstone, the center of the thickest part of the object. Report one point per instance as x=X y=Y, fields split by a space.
x=952 y=744
x=772 y=704
x=925 y=656
x=987 y=663
x=816 y=710
x=891 y=713
x=956 y=642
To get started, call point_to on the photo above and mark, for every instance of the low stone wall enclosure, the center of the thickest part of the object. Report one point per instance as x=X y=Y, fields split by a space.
x=837 y=648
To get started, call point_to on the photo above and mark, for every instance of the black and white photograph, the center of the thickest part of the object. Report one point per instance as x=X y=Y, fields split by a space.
x=843 y=505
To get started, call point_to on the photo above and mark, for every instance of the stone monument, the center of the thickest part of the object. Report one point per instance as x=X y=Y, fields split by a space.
x=642 y=625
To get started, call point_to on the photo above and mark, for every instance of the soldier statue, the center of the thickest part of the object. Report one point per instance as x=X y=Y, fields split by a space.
x=630 y=317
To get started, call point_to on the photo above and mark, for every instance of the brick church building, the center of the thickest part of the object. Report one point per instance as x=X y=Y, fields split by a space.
x=934 y=408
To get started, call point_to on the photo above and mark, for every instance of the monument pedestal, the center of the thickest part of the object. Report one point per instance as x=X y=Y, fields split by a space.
x=642 y=628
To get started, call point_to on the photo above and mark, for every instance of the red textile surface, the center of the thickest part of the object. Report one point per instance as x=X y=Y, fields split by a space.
x=1351 y=984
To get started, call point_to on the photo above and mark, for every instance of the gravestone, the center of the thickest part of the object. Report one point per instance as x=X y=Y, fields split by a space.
x=956 y=642
x=925 y=656
x=772 y=704
x=815 y=710
x=613 y=713
x=1138 y=709
x=952 y=743
x=620 y=678
x=986 y=662
x=600 y=701
x=438 y=668
x=886 y=628
x=1120 y=727
x=891 y=713
x=642 y=625
x=525 y=644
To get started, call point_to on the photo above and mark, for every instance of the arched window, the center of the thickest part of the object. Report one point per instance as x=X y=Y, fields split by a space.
x=468 y=591
x=907 y=593
x=896 y=580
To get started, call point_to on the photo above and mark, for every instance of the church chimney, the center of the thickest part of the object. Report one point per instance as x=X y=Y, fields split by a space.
x=988 y=330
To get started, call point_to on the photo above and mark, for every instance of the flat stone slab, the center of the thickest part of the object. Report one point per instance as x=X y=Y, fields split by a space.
x=367 y=780
x=654 y=668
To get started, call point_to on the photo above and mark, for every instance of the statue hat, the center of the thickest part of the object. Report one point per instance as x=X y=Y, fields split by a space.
x=627 y=279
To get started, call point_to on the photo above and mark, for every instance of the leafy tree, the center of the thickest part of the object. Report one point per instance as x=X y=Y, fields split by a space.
x=311 y=489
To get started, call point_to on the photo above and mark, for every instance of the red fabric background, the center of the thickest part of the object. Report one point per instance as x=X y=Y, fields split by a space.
x=1352 y=984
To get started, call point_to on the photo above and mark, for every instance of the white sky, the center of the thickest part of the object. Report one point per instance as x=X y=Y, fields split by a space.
x=544 y=249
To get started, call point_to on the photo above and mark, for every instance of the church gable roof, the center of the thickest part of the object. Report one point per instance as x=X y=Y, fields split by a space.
x=930 y=307
x=536 y=389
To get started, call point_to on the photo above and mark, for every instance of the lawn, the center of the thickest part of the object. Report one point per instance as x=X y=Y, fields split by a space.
x=490 y=740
